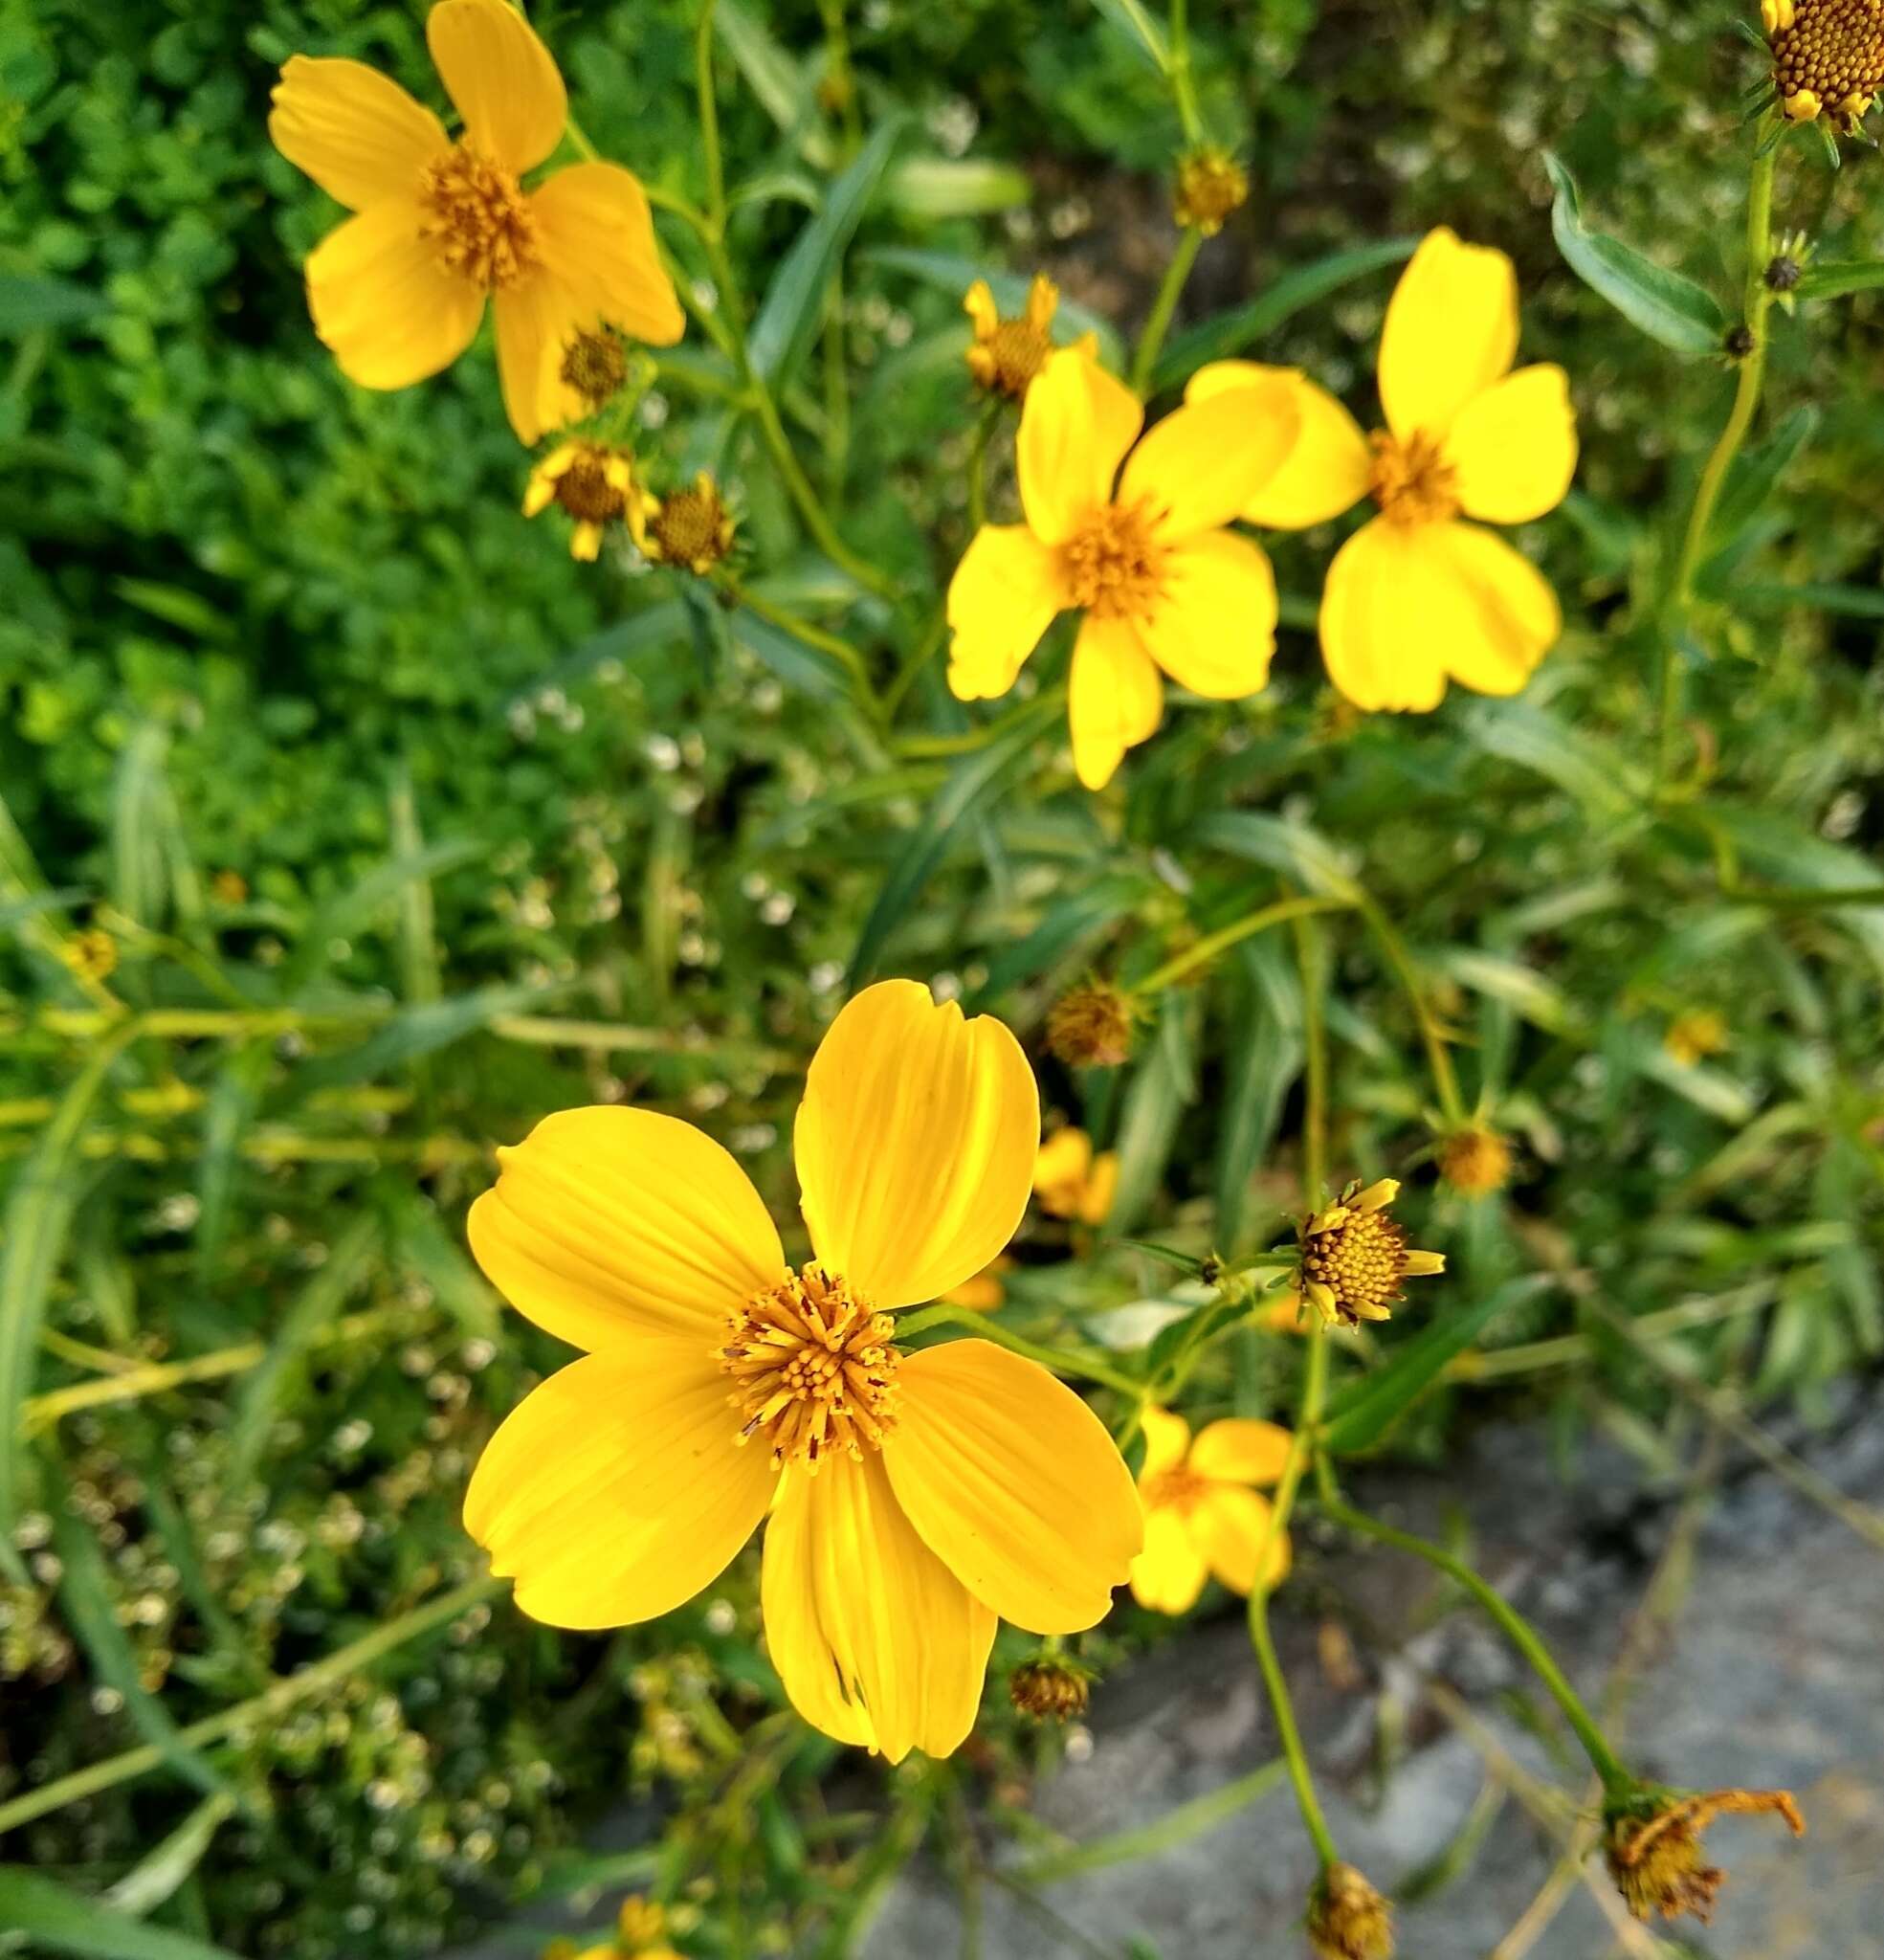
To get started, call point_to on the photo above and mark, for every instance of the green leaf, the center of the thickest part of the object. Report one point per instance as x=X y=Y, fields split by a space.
x=793 y=312
x=30 y=302
x=419 y=976
x=1162 y=1085
x=1835 y=277
x=786 y=89
x=421 y=1242
x=1141 y=31
x=1227 y=334
x=1363 y=1413
x=411 y=1033
x=1666 y=306
x=1755 y=476
x=1289 y=848
x=1852 y=602
x=227 y=1111
x=805 y=669
x=1262 y=1057
x=1169 y=1255
x=949 y=272
x=1068 y=922
x=1531 y=737
x=62 y=1922
x=168 y=1863
x=654 y=630
x=347 y=912
x=956 y=187
x=139 y=818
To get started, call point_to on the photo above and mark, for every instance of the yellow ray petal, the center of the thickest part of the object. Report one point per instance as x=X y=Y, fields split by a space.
x=1204 y=462
x=617 y=1490
x=536 y=318
x=1515 y=446
x=1239 y=1451
x=876 y=1640
x=1325 y=473
x=1383 y=650
x=381 y=300
x=1015 y=1484
x=596 y=235
x=1229 y=1525
x=1076 y=427
x=1114 y=699
x=914 y=1142
x=1101 y=1188
x=1213 y=629
x=355 y=131
x=500 y=77
x=1001 y=598
x=1167 y=1438
x=1451 y=332
x=1509 y=617
x=1168 y=1574
x=609 y=1223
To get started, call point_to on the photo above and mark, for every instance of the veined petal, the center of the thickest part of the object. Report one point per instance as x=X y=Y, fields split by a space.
x=1015 y=1484
x=1239 y=1451
x=1002 y=598
x=1114 y=699
x=1168 y=1574
x=355 y=131
x=537 y=319
x=609 y=1223
x=390 y=313
x=1076 y=427
x=1451 y=332
x=875 y=1640
x=1510 y=620
x=1230 y=1525
x=596 y=235
x=1327 y=470
x=1382 y=648
x=1204 y=462
x=1515 y=446
x=1166 y=1439
x=617 y=1489
x=914 y=1142
x=1213 y=628
x=500 y=77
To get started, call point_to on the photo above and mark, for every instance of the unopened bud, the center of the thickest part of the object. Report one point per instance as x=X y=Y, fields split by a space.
x=1347 y=1919
x=1050 y=1688
x=1091 y=1027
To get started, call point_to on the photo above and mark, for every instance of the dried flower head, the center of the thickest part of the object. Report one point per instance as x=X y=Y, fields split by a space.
x=1211 y=186
x=1828 y=58
x=1347 y=1919
x=595 y=364
x=1653 y=1845
x=1475 y=1160
x=593 y=481
x=1009 y=350
x=1354 y=1255
x=693 y=529
x=1050 y=1688
x=1090 y=1026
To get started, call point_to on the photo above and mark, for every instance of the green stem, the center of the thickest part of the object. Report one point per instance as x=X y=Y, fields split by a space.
x=1517 y=1629
x=1297 y=1757
x=1210 y=947
x=264 y=1707
x=1061 y=1360
x=978 y=467
x=716 y=173
x=810 y=636
x=1161 y=309
x=1182 y=90
x=1438 y=1057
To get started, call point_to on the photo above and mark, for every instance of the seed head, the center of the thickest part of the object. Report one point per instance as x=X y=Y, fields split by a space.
x=1091 y=1027
x=1347 y=1919
x=1009 y=350
x=1739 y=342
x=1050 y=1688
x=1653 y=1845
x=1354 y=1255
x=1475 y=1160
x=1211 y=186
x=595 y=364
x=693 y=529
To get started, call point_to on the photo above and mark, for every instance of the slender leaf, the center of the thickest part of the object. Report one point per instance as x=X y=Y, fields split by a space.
x=956 y=187
x=1666 y=306
x=418 y=926
x=1140 y=30
x=1066 y=925
x=347 y=913
x=786 y=89
x=1291 y=848
x=1262 y=1057
x=656 y=629
x=1833 y=278
x=138 y=884
x=1533 y=738
x=411 y=1032
x=1850 y=602
x=421 y=1242
x=1756 y=476
x=804 y=669
x=168 y=1863
x=1162 y=1085
x=227 y=1111
x=58 y=1921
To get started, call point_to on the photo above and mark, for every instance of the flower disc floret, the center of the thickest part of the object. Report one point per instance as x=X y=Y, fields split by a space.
x=1355 y=1255
x=1411 y=481
x=478 y=218
x=1828 y=58
x=1112 y=564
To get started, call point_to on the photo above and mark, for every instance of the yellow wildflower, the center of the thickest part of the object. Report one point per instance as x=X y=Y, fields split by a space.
x=692 y=528
x=440 y=225
x=593 y=481
x=1476 y=1159
x=1416 y=596
x=913 y=1498
x=1071 y=1182
x=1211 y=187
x=1147 y=558
x=92 y=954
x=1202 y=1514
x=1828 y=58
x=641 y=1930
x=1007 y=353
x=1355 y=1255
x=1695 y=1033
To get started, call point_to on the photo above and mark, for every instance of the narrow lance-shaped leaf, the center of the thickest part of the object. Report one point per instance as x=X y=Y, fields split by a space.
x=58 y=1921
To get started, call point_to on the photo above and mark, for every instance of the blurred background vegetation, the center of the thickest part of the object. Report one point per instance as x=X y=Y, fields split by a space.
x=347 y=828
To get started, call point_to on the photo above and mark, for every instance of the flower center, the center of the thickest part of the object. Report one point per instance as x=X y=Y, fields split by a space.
x=1112 y=564
x=1016 y=351
x=692 y=527
x=1826 y=54
x=595 y=366
x=478 y=218
x=1173 y=1490
x=588 y=491
x=1411 y=481
x=1361 y=1261
x=813 y=1368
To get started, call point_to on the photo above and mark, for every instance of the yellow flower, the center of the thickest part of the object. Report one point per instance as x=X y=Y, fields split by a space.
x=692 y=528
x=1202 y=1514
x=1355 y=1255
x=913 y=1498
x=1005 y=354
x=641 y=1930
x=1071 y=1182
x=1213 y=186
x=398 y=291
x=1828 y=58
x=1147 y=559
x=983 y=1292
x=593 y=481
x=1694 y=1034
x=1416 y=595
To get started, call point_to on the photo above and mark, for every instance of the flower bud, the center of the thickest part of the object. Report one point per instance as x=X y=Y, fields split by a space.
x=1347 y=1919
x=1091 y=1027
x=1050 y=1687
x=1475 y=1160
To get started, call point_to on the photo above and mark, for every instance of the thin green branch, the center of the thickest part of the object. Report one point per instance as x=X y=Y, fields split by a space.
x=1162 y=307
x=1207 y=948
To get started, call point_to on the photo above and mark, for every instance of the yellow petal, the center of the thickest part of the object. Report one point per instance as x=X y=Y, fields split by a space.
x=500 y=77
x=382 y=301
x=1240 y=1451
x=1014 y=1485
x=1204 y=462
x=1325 y=473
x=355 y=131
x=1508 y=620
x=596 y=235
x=1382 y=648
x=978 y=303
x=1229 y=1525
x=1167 y=1438
x=1168 y=1574
x=876 y=1640
x=1060 y=1171
x=609 y=1223
x=1451 y=332
x=536 y=318
x=618 y=1489
x=1076 y=427
x=1101 y=1188
x=1001 y=598
x=1114 y=699
x=1515 y=447
x=914 y=1142
x=1213 y=628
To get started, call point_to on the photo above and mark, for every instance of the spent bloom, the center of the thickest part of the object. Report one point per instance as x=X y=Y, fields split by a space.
x=1142 y=554
x=1417 y=595
x=1072 y=1181
x=1202 y=1513
x=1476 y=1159
x=1211 y=187
x=691 y=528
x=1089 y=1026
x=1347 y=1918
x=913 y=1498
x=1050 y=1687
x=1007 y=351
x=1354 y=1255
x=1828 y=58
x=440 y=225
x=1652 y=1846
x=593 y=481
